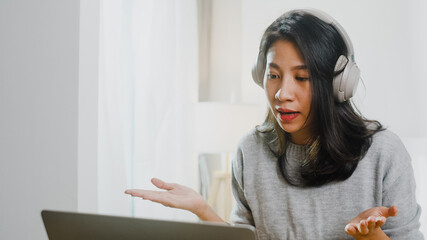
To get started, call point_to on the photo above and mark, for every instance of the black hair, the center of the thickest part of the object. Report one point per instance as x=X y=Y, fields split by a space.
x=342 y=136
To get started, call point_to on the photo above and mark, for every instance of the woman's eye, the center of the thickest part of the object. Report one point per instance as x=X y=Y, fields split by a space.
x=273 y=76
x=301 y=79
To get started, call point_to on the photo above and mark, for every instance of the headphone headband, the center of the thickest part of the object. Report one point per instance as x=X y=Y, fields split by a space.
x=329 y=20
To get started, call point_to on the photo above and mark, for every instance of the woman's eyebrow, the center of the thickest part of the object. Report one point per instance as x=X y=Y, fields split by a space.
x=273 y=65
x=299 y=67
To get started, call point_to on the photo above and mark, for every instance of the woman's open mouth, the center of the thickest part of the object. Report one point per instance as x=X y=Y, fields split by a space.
x=287 y=115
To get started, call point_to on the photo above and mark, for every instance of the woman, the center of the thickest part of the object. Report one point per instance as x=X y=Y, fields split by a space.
x=315 y=169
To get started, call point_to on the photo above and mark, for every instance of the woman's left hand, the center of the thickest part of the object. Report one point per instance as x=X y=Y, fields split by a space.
x=367 y=225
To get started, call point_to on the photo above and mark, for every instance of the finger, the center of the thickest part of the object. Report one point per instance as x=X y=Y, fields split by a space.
x=134 y=192
x=363 y=227
x=161 y=184
x=380 y=221
x=371 y=223
x=141 y=193
x=154 y=196
x=388 y=212
x=350 y=229
x=392 y=211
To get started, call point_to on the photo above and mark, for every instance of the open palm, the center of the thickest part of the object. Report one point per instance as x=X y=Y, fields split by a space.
x=369 y=222
x=175 y=196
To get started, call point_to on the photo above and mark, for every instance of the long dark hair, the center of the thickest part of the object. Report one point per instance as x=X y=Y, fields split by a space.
x=342 y=135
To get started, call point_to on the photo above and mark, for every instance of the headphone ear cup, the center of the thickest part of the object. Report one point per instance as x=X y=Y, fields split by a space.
x=351 y=77
x=345 y=83
x=338 y=79
x=258 y=70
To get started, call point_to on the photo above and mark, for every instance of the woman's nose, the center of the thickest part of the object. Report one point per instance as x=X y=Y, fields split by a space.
x=286 y=91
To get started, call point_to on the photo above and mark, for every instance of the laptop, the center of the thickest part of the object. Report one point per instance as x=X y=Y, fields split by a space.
x=72 y=225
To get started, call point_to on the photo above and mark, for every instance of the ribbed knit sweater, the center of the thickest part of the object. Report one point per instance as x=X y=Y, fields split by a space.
x=278 y=210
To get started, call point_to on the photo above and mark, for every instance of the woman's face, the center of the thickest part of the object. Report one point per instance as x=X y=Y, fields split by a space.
x=288 y=89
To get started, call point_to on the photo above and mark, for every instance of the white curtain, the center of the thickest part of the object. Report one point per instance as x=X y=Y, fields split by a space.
x=148 y=93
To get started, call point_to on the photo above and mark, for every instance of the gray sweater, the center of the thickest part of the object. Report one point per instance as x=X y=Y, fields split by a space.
x=384 y=177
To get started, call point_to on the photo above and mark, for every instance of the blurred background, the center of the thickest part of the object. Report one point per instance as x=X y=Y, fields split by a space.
x=100 y=96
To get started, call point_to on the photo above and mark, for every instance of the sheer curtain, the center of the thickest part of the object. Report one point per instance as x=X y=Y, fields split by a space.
x=148 y=94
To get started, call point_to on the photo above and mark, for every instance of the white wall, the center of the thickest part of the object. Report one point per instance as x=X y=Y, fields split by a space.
x=88 y=184
x=39 y=51
x=225 y=51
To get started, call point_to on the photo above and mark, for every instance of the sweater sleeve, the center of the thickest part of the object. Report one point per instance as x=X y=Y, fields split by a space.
x=399 y=190
x=241 y=213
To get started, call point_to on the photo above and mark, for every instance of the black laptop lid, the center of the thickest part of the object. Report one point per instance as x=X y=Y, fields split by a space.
x=70 y=225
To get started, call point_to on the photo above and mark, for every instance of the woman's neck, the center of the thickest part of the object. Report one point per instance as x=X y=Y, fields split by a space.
x=301 y=137
x=298 y=140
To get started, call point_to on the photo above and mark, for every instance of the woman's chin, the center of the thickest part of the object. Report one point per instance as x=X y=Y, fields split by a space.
x=288 y=127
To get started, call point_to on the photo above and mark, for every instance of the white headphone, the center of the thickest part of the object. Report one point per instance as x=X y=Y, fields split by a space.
x=345 y=83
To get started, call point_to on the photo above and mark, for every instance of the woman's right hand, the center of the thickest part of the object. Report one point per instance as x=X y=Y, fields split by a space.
x=177 y=196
